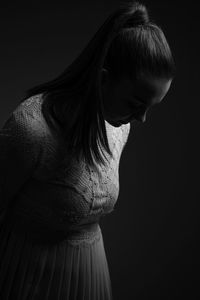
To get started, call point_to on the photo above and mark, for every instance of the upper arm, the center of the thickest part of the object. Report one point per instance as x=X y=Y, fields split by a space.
x=20 y=148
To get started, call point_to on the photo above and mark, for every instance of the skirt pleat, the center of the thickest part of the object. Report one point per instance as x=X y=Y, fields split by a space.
x=76 y=282
x=67 y=279
x=10 y=246
x=14 y=264
x=55 y=286
x=72 y=269
x=27 y=285
x=20 y=276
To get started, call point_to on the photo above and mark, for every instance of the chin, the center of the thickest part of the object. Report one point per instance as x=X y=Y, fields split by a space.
x=124 y=122
x=115 y=123
x=118 y=124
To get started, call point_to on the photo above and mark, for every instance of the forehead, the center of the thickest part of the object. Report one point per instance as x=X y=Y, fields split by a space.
x=147 y=89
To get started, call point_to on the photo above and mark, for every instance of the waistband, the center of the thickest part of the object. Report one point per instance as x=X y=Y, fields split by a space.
x=40 y=233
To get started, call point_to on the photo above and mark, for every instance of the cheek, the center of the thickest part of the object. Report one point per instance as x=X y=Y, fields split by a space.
x=117 y=107
x=123 y=108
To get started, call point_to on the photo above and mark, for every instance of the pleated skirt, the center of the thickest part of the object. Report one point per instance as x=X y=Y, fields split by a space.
x=74 y=268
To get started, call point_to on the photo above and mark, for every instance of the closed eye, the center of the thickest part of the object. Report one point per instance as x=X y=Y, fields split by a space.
x=136 y=104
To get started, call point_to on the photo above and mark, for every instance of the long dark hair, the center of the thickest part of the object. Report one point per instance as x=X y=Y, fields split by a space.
x=126 y=44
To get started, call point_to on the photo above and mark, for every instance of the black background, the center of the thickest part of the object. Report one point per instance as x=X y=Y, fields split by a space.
x=151 y=238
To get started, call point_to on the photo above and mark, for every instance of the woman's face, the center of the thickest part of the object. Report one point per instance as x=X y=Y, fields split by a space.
x=126 y=100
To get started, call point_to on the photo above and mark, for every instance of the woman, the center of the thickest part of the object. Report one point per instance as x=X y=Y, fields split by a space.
x=59 y=158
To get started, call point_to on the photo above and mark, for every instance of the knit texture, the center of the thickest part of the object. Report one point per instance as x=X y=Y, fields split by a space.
x=49 y=207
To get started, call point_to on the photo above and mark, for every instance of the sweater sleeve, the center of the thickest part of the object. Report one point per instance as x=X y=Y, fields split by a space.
x=20 y=148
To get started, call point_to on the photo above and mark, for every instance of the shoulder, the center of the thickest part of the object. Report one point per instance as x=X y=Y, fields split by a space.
x=22 y=132
x=27 y=117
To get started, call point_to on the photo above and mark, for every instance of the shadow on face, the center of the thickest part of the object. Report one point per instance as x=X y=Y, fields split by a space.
x=128 y=100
